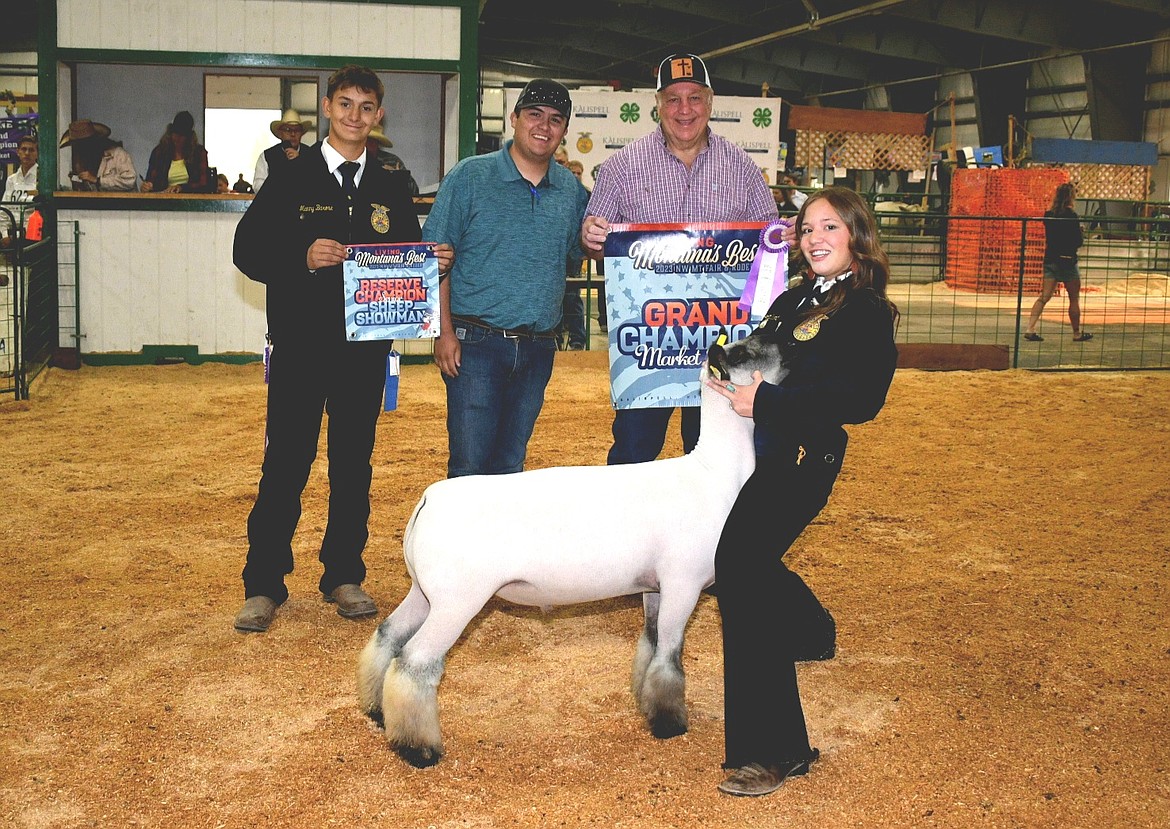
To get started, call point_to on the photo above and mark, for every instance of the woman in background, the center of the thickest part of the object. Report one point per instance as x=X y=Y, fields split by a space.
x=1062 y=239
x=835 y=331
x=179 y=163
x=99 y=162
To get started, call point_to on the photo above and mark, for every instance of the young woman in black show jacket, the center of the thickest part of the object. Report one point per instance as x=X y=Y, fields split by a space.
x=835 y=331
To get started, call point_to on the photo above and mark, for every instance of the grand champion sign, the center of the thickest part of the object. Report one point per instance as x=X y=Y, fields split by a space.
x=670 y=290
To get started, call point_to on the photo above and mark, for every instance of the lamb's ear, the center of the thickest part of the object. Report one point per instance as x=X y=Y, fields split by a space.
x=717 y=356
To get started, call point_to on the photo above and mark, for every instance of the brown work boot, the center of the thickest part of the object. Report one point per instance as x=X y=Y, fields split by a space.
x=352 y=602
x=754 y=779
x=256 y=615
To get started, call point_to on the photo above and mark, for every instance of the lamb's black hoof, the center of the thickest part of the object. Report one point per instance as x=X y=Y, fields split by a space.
x=420 y=757
x=376 y=718
x=665 y=726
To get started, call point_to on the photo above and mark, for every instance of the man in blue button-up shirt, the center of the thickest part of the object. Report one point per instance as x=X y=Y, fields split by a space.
x=513 y=219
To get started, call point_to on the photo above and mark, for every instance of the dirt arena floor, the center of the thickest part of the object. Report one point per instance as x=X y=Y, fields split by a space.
x=996 y=554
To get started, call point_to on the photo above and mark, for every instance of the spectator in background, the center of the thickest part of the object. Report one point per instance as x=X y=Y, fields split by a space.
x=21 y=185
x=1062 y=239
x=290 y=129
x=179 y=163
x=222 y=185
x=379 y=146
x=242 y=186
x=791 y=198
x=99 y=162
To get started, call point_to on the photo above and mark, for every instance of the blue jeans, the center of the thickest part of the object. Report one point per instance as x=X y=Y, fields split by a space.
x=493 y=404
x=639 y=434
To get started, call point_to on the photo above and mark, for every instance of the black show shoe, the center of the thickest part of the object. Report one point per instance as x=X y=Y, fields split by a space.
x=755 y=780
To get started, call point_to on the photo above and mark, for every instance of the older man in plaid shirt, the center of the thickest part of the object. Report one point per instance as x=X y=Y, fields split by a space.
x=681 y=172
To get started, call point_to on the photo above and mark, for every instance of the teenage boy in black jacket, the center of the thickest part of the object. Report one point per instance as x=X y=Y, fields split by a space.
x=293 y=238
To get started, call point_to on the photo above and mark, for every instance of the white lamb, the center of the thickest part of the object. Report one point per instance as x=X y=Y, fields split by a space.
x=474 y=537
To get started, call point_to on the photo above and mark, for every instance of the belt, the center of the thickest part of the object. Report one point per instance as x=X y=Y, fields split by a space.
x=507 y=333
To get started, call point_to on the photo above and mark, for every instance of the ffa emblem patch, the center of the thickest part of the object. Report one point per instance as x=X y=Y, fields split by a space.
x=584 y=143
x=380 y=218
x=808 y=329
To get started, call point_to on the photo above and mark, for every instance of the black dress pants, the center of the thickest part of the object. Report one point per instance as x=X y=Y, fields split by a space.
x=770 y=617
x=344 y=381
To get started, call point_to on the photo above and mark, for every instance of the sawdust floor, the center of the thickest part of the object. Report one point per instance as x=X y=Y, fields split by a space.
x=995 y=553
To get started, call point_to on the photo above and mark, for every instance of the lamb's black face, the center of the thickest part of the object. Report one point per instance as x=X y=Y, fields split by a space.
x=750 y=354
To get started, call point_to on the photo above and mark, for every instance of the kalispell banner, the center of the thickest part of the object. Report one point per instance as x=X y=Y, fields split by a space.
x=391 y=291
x=670 y=289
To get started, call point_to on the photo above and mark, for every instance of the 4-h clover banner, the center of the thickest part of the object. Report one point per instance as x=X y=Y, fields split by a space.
x=604 y=121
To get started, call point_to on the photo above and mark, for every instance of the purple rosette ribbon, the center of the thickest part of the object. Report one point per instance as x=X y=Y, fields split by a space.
x=769 y=273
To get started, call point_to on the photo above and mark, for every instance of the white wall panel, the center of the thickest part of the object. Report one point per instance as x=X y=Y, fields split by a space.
x=311 y=17
x=145 y=24
x=164 y=279
x=230 y=32
x=144 y=278
x=108 y=282
x=1063 y=71
x=429 y=37
x=65 y=23
x=201 y=316
x=114 y=22
x=113 y=19
x=289 y=27
x=371 y=35
x=1157 y=118
x=174 y=25
x=451 y=124
x=338 y=29
x=1158 y=129
x=402 y=31
x=200 y=28
x=64 y=110
x=172 y=276
x=258 y=26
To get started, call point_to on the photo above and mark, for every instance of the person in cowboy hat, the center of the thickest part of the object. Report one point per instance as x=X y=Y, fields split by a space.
x=99 y=162
x=378 y=146
x=178 y=164
x=290 y=129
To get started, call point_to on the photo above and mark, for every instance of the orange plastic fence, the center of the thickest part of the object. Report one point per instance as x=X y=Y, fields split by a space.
x=983 y=255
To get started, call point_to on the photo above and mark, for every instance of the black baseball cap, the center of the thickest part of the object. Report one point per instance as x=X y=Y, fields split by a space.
x=683 y=67
x=544 y=92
